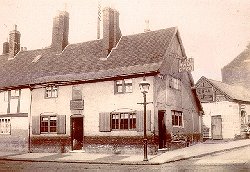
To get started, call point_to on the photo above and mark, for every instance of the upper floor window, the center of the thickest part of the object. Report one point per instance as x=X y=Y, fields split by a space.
x=51 y=91
x=15 y=93
x=123 y=121
x=4 y=125
x=175 y=83
x=48 y=124
x=123 y=86
x=177 y=119
x=6 y=96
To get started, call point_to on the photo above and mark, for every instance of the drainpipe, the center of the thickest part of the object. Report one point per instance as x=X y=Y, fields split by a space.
x=193 y=126
x=29 y=138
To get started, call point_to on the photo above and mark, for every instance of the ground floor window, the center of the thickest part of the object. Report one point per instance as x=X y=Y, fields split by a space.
x=48 y=124
x=177 y=119
x=123 y=121
x=4 y=125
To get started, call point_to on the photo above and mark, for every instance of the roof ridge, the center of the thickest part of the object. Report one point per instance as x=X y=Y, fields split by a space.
x=151 y=31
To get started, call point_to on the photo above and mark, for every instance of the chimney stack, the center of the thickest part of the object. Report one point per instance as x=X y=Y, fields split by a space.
x=6 y=47
x=111 y=29
x=60 y=31
x=14 y=42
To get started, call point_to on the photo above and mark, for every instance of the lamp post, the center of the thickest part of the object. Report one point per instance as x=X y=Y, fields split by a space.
x=144 y=87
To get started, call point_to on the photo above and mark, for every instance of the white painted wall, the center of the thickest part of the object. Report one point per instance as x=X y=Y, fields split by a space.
x=3 y=102
x=98 y=97
x=229 y=112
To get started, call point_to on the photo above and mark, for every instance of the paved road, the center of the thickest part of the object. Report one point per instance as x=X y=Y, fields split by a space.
x=235 y=160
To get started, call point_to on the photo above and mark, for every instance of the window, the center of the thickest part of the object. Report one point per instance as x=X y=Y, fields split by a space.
x=48 y=124
x=177 y=118
x=175 y=83
x=14 y=93
x=6 y=96
x=123 y=121
x=51 y=91
x=4 y=125
x=123 y=86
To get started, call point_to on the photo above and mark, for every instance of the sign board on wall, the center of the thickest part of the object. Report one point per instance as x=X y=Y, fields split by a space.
x=205 y=94
x=186 y=65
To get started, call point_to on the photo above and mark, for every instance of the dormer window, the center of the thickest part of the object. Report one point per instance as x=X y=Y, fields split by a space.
x=51 y=91
x=123 y=86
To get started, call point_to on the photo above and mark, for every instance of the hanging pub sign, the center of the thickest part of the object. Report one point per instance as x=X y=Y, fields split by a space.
x=186 y=65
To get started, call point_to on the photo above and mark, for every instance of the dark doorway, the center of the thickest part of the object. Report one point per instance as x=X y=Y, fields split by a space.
x=77 y=132
x=162 y=129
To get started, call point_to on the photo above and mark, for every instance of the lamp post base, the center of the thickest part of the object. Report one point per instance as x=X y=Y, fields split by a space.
x=145 y=141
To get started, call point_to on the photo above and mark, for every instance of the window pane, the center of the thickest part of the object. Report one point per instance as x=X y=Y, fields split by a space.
x=115 y=121
x=119 y=89
x=132 y=121
x=128 y=88
x=128 y=85
x=128 y=81
x=180 y=120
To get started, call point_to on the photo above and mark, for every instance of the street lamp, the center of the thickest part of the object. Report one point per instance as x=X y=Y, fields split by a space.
x=144 y=87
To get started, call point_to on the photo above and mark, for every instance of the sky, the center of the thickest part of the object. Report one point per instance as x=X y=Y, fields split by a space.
x=213 y=32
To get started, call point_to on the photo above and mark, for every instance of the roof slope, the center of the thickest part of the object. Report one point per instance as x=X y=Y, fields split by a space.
x=234 y=92
x=242 y=59
x=139 y=53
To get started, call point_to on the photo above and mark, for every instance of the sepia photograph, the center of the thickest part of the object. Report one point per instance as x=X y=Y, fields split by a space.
x=124 y=85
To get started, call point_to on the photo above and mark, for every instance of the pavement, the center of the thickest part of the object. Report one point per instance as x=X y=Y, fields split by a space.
x=193 y=151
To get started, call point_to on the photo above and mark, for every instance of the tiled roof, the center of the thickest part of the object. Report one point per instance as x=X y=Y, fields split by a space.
x=235 y=92
x=241 y=60
x=139 y=53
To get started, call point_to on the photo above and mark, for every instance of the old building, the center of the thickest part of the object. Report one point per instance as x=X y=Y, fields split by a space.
x=237 y=72
x=14 y=102
x=226 y=109
x=85 y=96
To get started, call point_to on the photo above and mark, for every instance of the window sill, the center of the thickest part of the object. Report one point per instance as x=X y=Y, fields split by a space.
x=5 y=134
x=177 y=126
x=119 y=93
x=123 y=129
x=50 y=97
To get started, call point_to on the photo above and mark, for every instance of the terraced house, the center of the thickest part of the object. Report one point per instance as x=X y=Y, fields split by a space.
x=85 y=96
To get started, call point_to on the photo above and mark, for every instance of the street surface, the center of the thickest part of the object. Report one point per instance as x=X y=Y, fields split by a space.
x=234 y=160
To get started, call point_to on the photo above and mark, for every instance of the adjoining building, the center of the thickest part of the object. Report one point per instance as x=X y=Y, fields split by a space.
x=237 y=72
x=85 y=96
x=226 y=109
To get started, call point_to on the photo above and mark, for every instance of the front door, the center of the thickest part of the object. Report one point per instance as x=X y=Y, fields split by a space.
x=77 y=132
x=216 y=130
x=162 y=129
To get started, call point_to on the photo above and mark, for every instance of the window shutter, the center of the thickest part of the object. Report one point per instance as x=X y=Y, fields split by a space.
x=139 y=121
x=35 y=125
x=61 y=124
x=104 y=121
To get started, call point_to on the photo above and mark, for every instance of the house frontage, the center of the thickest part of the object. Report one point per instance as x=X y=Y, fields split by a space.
x=226 y=109
x=86 y=96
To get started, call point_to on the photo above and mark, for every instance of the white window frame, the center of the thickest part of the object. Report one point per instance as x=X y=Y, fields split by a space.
x=179 y=115
x=5 y=128
x=51 y=91
x=54 y=116
x=125 y=85
x=119 y=116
